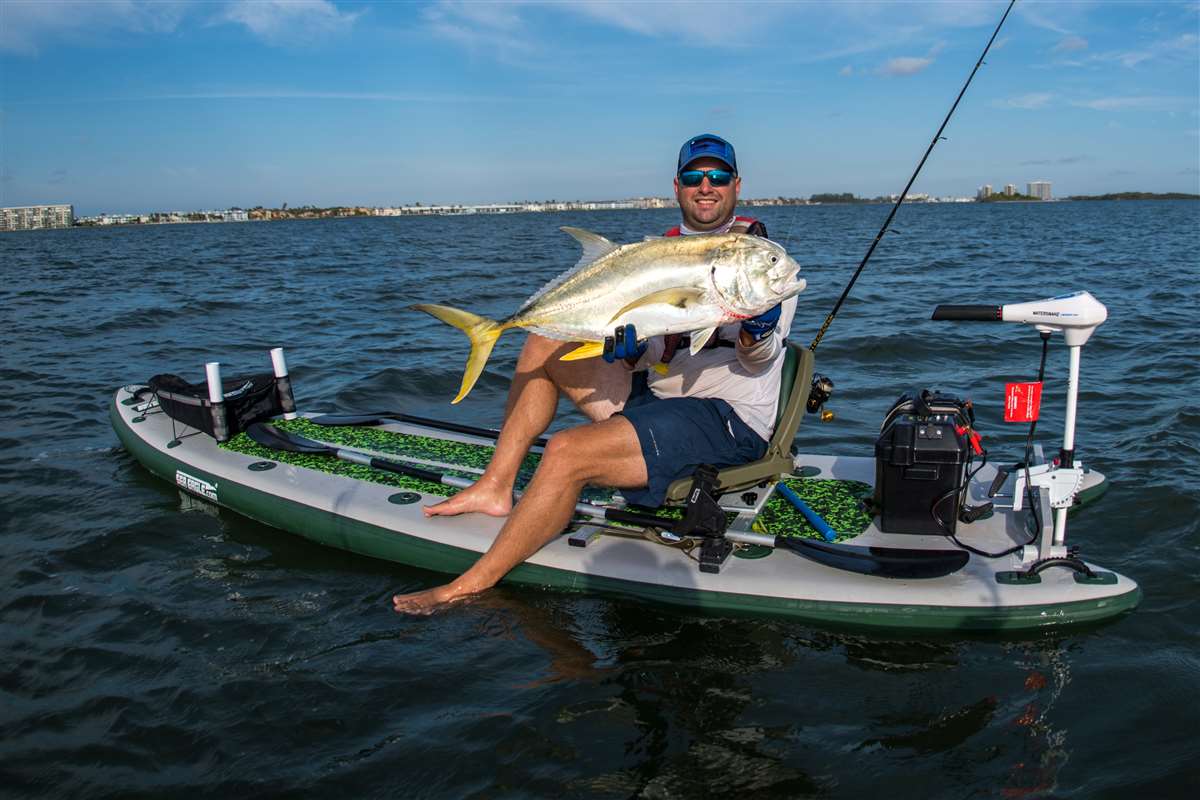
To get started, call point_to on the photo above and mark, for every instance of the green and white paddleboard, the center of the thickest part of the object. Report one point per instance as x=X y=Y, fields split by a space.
x=378 y=514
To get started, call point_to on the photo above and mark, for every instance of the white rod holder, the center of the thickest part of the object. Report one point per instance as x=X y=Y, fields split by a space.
x=212 y=371
x=216 y=399
x=283 y=384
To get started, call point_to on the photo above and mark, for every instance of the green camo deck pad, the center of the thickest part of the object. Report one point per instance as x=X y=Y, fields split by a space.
x=839 y=502
x=404 y=447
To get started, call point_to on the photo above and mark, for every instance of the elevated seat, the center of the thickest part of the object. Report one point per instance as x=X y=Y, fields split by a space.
x=793 y=394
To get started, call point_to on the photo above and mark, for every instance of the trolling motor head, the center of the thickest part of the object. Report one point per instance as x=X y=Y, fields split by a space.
x=1076 y=315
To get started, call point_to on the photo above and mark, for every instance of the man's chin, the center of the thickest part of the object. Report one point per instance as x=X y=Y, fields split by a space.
x=703 y=220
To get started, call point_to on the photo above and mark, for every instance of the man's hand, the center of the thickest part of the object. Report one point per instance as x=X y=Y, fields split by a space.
x=760 y=327
x=624 y=344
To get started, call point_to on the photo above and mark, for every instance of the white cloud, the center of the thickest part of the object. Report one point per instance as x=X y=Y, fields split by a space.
x=270 y=93
x=282 y=22
x=1059 y=18
x=1071 y=44
x=679 y=19
x=1031 y=100
x=1137 y=103
x=1179 y=48
x=482 y=27
x=905 y=65
x=28 y=25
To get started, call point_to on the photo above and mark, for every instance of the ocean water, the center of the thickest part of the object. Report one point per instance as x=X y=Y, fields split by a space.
x=155 y=646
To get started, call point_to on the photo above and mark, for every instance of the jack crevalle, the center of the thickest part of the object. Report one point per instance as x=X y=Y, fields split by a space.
x=664 y=285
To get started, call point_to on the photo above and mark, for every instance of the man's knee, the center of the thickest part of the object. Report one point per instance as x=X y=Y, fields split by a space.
x=566 y=453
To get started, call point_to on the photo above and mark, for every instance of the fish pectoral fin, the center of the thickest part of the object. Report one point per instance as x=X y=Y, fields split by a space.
x=679 y=296
x=585 y=350
x=594 y=245
x=700 y=338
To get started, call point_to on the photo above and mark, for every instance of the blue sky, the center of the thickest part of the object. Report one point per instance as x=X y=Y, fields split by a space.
x=137 y=106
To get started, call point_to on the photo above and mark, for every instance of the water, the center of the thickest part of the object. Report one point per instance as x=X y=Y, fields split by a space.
x=154 y=645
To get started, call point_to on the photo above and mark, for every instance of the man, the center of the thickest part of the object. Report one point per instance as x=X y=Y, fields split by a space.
x=716 y=407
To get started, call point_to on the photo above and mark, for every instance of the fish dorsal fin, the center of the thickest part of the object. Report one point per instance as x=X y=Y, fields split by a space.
x=680 y=296
x=700 y=338
x=594 y=245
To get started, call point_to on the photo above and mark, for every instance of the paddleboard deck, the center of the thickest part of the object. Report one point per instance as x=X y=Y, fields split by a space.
x=378 y=514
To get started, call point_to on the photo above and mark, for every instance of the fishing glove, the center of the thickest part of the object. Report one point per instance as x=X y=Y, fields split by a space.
x=624 y=344
x=763 y=325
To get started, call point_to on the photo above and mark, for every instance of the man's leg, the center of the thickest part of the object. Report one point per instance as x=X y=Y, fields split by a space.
x=599 y=390
x=606 y=453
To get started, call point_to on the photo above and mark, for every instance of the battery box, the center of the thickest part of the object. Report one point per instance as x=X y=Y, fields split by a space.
x=920 y=464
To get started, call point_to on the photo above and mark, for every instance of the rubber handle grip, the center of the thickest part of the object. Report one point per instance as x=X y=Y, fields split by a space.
x=997 y=482
x=968 y=313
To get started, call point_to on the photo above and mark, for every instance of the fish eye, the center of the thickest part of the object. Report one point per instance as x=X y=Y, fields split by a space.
x=774 y=259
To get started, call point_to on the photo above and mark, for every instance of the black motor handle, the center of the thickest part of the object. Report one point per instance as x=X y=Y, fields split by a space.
x=968 y=313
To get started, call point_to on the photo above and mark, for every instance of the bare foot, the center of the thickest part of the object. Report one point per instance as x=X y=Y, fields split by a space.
x=429 y=601
x=484 y=497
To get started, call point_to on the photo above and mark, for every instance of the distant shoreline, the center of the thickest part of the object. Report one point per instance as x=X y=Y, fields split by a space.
x=260 y=214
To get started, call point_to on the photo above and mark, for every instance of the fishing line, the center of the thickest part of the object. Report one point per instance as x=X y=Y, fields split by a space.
x=936 y=138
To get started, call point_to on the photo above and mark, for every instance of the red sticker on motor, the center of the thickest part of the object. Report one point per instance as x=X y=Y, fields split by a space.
x=1022 y=401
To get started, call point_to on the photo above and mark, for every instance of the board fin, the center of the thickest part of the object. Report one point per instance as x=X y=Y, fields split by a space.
x=482 y=332
x=594 y=245
x=700 y=338
x=679 y=296
x=585 y=350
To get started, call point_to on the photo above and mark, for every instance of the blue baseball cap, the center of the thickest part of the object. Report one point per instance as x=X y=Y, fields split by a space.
x=706 y=145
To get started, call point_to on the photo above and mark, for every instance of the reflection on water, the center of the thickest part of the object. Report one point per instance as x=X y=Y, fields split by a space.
x=712 y=707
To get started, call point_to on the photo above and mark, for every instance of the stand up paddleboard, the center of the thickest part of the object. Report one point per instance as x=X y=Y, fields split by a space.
x=360 y=487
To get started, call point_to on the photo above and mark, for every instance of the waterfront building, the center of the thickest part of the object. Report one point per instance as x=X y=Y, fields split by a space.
x=984 y=192
x=24 y=218
x=1010 y=189
x=1039 y=189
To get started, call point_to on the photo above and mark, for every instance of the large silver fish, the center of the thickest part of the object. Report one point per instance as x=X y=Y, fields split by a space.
x=664 y=285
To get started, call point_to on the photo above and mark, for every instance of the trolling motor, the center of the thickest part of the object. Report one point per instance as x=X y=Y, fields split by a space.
x=1076 y=315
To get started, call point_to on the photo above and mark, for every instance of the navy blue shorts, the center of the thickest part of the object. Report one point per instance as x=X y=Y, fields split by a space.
x=679 y=434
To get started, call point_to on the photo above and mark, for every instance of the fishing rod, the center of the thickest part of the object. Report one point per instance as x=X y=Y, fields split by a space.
x=936 y=138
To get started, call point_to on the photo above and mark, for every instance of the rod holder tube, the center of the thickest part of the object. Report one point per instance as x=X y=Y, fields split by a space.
x=283 y=384
x=216 y=401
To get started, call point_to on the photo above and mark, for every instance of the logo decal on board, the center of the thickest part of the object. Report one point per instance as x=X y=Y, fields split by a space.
x=195 y=485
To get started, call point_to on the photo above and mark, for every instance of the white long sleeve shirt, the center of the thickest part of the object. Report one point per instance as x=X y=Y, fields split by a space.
x=747 y=378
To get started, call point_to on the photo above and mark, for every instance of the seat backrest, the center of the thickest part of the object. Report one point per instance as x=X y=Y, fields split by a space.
x=793 y=395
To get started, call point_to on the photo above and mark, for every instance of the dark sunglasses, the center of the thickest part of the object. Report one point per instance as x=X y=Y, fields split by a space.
x=716 y=177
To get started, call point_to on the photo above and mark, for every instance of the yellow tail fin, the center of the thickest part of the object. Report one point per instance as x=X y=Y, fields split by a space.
x=482 y=332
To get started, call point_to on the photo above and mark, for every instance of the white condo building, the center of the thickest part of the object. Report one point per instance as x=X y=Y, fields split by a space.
x=1039 y=189
x=24 y=218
